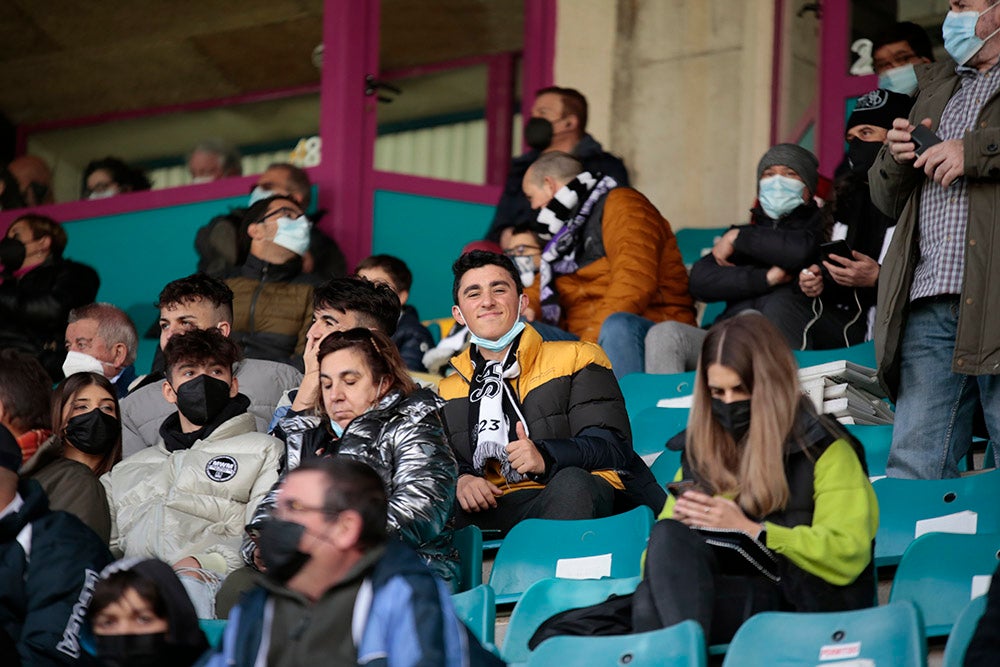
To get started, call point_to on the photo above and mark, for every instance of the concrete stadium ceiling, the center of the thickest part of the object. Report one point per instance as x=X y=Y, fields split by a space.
x=63 y=59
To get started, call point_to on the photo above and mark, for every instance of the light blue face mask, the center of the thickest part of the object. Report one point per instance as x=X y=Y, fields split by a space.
x=902 y=80
x=338 y=430
x=293 y=234
x=959 y=31
x=504 y=341
x=259 y=194
x=780 y=195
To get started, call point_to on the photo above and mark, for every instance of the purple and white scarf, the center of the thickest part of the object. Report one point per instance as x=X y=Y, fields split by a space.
x=559 y=225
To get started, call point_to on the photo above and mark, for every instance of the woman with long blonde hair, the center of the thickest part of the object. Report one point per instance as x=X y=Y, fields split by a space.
x=772 y=508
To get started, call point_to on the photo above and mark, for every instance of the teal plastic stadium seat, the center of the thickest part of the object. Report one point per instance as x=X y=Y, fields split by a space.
x=548 y=597
x=214 y=629
x=887 y=635
x=665 y=466
x=962 y=631
x=936 y=574
x=696 y=242
x=469 y=543
x=876 y=440
x=903 y=502
x=534 y=548
x=862 y=354
x=681 y=645
x=643 y=390
x=477 y=609
x=652 y=427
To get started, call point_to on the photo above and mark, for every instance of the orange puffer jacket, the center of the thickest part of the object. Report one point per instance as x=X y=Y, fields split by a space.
x=641 y=271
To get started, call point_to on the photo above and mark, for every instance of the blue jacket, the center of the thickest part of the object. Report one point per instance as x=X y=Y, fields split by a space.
x=49 y=563
x=410 y=621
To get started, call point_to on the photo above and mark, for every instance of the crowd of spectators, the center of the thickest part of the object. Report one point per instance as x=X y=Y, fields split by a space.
x=289 y=462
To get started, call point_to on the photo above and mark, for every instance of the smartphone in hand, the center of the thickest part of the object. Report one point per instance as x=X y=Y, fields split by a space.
x=923 y=139
x=677 y=489
x=838 y=248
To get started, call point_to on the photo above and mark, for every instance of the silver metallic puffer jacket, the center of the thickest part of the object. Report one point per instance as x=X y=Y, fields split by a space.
x=404 y=441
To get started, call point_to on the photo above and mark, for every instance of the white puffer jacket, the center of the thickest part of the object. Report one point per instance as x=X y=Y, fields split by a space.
x=193 y=502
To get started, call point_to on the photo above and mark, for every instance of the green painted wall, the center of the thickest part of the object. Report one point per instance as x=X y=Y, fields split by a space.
x=136 y=254
x=428 y=234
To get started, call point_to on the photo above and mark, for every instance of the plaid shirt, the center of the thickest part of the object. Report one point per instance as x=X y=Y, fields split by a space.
x=944 y=212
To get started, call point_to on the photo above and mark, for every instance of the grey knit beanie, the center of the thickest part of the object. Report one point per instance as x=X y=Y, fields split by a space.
x=796 y=158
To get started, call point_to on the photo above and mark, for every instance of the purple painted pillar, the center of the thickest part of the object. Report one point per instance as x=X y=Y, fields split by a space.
x=499 y=117
x=539 y=49
x=347 y=123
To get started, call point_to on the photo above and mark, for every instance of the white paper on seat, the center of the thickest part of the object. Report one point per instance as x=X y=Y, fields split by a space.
x=679 y=402
x=587 y=567
x=860 y=662
x=960 y=522
x=980 y=585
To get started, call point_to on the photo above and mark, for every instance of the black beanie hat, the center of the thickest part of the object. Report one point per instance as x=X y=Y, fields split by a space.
x=879 y=108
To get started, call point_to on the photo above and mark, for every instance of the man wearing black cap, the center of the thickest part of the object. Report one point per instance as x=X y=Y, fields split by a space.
x=752 y=267
x=847 y=285
x=49 y=562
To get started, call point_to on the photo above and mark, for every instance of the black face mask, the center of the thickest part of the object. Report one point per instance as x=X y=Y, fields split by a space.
x=12 y=253
x=149 y=650
x=861 y=155
x=94 y=432
x=278 y=542
x=202 y=399
x=734 y=417
x=538 y=133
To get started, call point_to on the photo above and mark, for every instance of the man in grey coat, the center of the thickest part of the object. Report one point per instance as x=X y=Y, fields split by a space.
x=938 y=353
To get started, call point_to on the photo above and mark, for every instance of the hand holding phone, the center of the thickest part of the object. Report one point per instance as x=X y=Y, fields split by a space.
x=677 y=489
x=838 y=248
x=923 y=139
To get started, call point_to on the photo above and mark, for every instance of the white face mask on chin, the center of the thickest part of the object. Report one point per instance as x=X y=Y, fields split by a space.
x=78 y=362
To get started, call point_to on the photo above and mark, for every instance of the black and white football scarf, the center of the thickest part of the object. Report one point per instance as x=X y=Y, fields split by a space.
x=494 y=411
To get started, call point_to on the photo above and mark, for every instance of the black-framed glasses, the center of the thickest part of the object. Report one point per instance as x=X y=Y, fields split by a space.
x=521 y=250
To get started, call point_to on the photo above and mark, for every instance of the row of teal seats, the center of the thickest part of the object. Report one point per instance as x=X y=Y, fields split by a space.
x=891 y=634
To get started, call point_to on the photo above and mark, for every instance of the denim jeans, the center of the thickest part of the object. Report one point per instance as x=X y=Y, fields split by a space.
x=623 y=337
x=935 y=407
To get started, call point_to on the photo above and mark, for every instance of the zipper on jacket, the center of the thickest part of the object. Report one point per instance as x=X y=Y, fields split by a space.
x=256 y=293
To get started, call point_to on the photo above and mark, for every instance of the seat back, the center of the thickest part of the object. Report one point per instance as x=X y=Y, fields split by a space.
x=537 y=549
x=477 y=609
x=643 y=390
x=469 y=543
x=681 y=645
x=905 y=502
x=653 y=427
x=876 y=440
x=694 y=242
x=664 y=468
x=862 y=354
x=887 y=635
x=548 y=597
x=940 y=573
x=961 y=633
x=214 y=629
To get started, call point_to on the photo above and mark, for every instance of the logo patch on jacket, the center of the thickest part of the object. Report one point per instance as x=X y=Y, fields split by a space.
x=221 y=468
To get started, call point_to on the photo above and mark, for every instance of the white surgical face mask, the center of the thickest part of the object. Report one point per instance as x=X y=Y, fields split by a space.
x=78 y=362
x=959 y=31
x=293 y=234
x=780 y=195
x=259 y=194
x=902 y=80
x=104 y=194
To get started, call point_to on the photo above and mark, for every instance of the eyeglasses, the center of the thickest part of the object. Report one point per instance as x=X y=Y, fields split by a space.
x=284 y=210
x=521 y=250
x=897 y=59
x=291 y=507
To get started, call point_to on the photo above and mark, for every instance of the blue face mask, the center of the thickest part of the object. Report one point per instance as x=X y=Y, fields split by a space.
x=504 y=341
x=902 y=80
x=780 y=195
x=259 y=194
x=959 y=31
x=293 y=234
x=338 y=430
